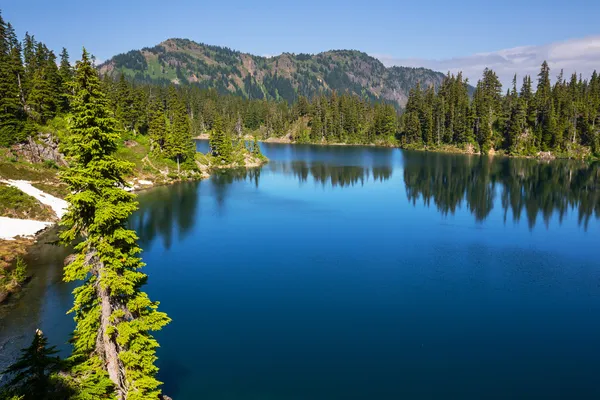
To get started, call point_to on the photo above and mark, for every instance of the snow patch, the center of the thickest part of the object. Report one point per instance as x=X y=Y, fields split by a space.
x=58 y=205
x=13 y=227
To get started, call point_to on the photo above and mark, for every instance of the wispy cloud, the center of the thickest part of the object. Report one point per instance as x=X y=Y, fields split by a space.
x=574 y=55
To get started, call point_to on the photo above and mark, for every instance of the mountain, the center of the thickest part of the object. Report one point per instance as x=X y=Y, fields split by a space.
x=286 y=76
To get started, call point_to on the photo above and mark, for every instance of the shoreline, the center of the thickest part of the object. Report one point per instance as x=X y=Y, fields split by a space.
x=18 y=236
x=446 y=149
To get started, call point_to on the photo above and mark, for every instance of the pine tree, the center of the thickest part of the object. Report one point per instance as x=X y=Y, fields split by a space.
x=179 y=143
x=31 y=372
x=29 y=46
x=220 y=142
x=11 y=110
x=256 y=148
x=157 y=129
x=488 y=107
x=46 y=87
x=113 y=350
x=66 y=77
x=542 y=100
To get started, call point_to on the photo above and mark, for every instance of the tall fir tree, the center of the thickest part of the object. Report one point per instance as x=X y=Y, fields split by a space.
x=113 y=349
x=157 y=129
x=220 y=142
x=30 y=374
x=12 y=114
x=65 y=72
x=179 y=143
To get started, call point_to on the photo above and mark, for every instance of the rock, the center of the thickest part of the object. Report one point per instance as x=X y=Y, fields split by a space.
x=44 y=147
x=164 y=397
x=130 y=143
x=546 y=155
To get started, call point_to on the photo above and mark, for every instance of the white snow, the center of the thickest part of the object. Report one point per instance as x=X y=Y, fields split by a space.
x=13 y=227
x=58 y=205
x=144 y=182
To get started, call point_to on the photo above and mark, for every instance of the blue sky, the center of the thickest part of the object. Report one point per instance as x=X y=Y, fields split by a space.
x=395 y=31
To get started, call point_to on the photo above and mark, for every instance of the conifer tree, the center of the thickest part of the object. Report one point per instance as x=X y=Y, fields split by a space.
x=66 y=77
x=256 y=148
x=113 y=349
x=179 y=142
x=46 y=87
x=220 y=142
x=157 y=129
x=11 y=110
x=31 y=372
x=29 y=63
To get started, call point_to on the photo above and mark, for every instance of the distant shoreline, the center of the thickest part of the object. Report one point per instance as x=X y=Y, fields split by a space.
x=444 y=149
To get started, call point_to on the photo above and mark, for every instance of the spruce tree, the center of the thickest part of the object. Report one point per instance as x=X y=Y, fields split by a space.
x=256 y=148
x=46 y=87
x=66 y=77
x=179 y=144
x=113 y=349
x=157 y=127
x=220 y=142
x=30 y=374
x=11 y=110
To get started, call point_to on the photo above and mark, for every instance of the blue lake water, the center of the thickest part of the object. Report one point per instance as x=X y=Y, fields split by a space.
x=364 y=273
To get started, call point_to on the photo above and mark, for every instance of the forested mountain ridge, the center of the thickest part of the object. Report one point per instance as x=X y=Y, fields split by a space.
x=283 y=77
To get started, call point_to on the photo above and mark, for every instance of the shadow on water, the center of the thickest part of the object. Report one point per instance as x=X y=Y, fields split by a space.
x=233 y=292
x=524 y=187
x=165 y=211
x=29 y=309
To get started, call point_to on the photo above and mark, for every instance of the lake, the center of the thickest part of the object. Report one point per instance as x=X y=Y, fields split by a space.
x=362 y=273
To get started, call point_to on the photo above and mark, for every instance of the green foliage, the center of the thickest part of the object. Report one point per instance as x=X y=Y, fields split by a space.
x=256 y=148
x=114 y=317
x=220 y=142
x=32 y=87
x=273 y=101
x=557 y=118
x=19 y=274
x=283 y=78
x=16 y=204
x=178 y=143
x=12 y=114
x=14 y=278
x=31 y=373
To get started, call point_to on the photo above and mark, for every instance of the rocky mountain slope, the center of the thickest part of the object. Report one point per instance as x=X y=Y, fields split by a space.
x=286 y=76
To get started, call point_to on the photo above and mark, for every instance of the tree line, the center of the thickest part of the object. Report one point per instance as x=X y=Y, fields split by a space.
x=562 y=118
x=558 y=118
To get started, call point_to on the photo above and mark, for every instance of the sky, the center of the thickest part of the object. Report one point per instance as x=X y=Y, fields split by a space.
x=509 y=36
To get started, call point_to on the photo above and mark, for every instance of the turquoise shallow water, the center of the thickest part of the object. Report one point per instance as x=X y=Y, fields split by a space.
x=367 y=273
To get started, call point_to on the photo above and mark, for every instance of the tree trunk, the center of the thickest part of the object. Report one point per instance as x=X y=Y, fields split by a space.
x=574 y=128
x=177 y=164
x=21 y=94
x=106 y=346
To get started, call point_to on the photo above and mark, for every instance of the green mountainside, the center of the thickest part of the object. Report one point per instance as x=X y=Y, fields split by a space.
x=283 y=77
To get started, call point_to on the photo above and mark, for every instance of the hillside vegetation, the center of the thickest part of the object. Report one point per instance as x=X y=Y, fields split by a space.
x=284 y=77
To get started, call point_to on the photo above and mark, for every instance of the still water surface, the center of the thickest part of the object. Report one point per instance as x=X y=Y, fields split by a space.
x=363 y=273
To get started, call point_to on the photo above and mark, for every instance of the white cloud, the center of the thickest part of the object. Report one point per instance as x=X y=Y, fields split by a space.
x=574 y=55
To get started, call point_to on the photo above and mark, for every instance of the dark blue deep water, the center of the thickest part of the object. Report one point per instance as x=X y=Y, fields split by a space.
x=365 y=273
